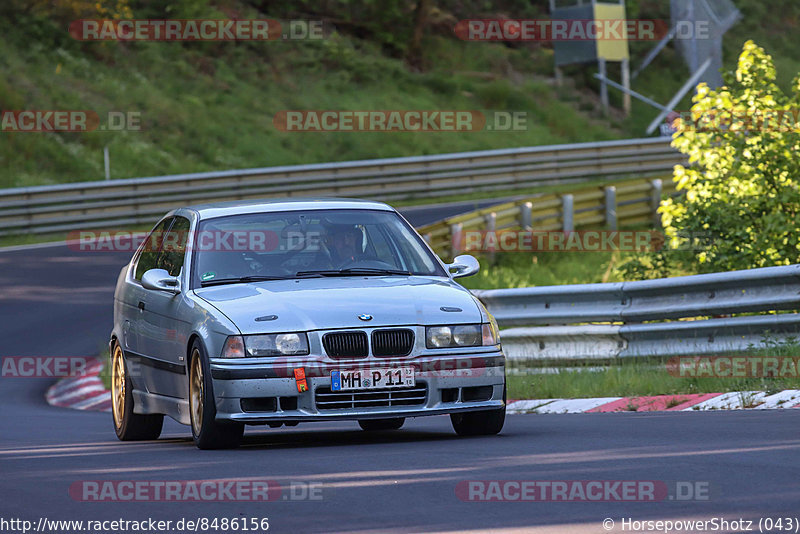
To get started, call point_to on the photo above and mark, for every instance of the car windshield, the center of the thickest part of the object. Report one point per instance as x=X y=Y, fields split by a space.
x=312 y=243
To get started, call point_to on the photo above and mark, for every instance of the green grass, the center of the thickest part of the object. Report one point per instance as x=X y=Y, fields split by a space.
x=61 y=237
x=32 y=239
x=636 y=377
x=209 y=106
x=543 y=269
x=502 y=195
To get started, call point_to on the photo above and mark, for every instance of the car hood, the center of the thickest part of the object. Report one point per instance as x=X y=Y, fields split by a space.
x=328 y=303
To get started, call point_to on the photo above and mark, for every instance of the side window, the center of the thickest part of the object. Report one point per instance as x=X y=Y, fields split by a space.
x=173 y=247
x=149 y=255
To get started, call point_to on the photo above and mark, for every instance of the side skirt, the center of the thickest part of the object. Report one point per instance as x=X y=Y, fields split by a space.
x=151 y=403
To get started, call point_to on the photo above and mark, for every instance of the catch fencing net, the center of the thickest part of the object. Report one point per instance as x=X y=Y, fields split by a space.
x=699 y=27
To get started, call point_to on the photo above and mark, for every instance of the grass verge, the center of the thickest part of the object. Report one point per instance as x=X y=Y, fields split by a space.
x=14 y=240
x=543 y=269
x=640 y=377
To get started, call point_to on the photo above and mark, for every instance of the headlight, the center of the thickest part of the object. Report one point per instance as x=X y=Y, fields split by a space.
x=291 y=344
x=462 y=335
x=265 y=345
x=438 y=336
x=467 y=336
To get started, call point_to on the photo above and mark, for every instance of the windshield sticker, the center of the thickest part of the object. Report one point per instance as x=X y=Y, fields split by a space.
x=208 y=276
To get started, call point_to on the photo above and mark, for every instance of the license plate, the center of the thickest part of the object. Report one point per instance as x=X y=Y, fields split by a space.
x=397 y=377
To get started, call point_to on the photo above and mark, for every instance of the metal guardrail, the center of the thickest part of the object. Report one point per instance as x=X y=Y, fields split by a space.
x=647 y=318
x=101 y=204
x=627 y=203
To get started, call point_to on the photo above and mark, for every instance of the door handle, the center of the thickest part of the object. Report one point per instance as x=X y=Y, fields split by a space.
x=141 y=306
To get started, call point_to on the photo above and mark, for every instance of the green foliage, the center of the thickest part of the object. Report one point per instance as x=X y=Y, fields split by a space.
x=742 y=187
x=544 y=269
x=176 y=9
x=645 y=266
x=388 y=23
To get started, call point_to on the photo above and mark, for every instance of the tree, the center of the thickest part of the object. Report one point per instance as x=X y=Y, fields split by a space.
x=742 y=188
x=414 y=53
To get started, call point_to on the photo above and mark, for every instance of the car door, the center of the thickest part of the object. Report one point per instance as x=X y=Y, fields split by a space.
x=132 y=299
x=164 y=333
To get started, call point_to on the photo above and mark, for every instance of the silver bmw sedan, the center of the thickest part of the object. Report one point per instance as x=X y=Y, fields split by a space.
x=277 y=312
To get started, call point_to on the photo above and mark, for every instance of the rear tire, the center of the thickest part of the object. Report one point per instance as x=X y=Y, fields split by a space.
x=372 y=425
x=129 y=426
x=206 y=431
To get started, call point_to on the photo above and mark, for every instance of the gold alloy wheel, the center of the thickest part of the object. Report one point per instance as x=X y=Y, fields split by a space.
x=118 y=386
x=196 y=393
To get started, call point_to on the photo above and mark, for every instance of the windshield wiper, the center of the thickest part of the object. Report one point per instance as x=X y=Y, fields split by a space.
x=242 y=280
x=355 y=271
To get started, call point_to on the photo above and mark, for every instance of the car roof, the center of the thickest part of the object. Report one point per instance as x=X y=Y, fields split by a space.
x=241 y=207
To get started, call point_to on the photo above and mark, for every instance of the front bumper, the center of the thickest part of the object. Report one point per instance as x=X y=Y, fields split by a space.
x=259 y=393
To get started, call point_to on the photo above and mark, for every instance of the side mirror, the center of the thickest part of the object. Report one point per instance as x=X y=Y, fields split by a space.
x=160 y=280
x=464 y=265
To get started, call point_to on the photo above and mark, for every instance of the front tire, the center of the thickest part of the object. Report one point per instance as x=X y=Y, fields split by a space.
x=482 y=423
x=129 y=426
x=206 y=431
x=372 y=425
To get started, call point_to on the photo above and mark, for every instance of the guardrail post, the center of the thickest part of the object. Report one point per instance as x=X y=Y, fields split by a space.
x=611 y=207
x=107 y=162
x=455 y=238
x=491 y=226
x=567 y=213
x=526 y=216
x=655 y=200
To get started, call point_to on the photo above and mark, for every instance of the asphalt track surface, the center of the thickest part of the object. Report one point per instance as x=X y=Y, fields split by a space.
x=57 y=302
